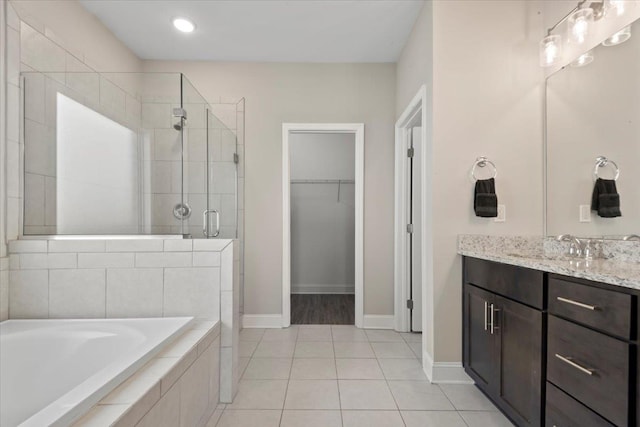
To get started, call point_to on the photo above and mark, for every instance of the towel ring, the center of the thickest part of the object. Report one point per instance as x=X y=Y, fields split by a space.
x=482 y=162
x=601 y=162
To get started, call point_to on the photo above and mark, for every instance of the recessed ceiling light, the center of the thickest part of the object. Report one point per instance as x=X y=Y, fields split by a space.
x=184 y=25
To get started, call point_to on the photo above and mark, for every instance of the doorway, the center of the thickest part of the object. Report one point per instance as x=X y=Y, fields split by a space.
x=323 y=224
x=413 y=234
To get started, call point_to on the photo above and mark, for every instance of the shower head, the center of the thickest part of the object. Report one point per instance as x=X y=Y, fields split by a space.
x=181 y=113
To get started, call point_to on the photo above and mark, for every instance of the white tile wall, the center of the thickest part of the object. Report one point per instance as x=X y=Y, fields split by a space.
x=134 y=292
x=112 y=278
x=190 y=291
x=77 y=293
x=28 y=294
x=4 y=288
x=105 y=260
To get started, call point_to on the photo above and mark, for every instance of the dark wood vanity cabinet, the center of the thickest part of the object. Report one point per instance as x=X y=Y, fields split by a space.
x=503 y=338
x=592 y=349
x=551 y=350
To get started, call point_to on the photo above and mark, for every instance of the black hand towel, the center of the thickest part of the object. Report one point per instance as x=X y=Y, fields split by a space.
x=605 y=198
x=485 y=201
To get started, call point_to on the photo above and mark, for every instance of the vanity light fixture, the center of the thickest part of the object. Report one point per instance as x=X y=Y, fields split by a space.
x=616 y=7
x=579 y=24
x=583 y=60
x=550 y=50
x=620 y=37
x=184 y=25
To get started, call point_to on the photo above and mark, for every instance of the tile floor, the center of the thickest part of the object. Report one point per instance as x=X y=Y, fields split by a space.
x=326 y=376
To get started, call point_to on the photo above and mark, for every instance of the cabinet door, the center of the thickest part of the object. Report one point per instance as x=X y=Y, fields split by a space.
x=478 y=346
x=518 y=331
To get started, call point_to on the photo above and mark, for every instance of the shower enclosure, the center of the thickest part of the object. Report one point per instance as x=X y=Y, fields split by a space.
x=129 y=154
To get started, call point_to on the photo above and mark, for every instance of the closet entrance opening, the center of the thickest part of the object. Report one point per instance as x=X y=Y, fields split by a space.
x=322 y=209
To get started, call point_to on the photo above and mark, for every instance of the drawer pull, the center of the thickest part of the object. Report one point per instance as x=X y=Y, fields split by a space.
x=576 y=303
x=486 y=305
x=569 y=361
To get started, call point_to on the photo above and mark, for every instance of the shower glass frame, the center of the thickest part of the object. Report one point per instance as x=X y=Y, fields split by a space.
x=164 y=160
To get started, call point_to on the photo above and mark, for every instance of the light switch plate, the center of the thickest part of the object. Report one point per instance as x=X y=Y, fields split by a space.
x=585 y=213
x=502 y=214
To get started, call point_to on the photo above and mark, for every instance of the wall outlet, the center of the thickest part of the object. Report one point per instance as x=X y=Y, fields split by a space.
x=502 y=214
x=585 y=213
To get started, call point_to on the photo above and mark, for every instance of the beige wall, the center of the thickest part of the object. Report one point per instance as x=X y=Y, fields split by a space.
x=414 y=67
x=277 y=93
x=71 y=26
x=487 y=100
x=495 y=110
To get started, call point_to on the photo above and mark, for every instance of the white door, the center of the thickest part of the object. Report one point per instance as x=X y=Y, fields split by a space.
x=416 y=244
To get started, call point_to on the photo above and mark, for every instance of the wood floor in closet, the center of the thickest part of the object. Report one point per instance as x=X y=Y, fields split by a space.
x=320 y=309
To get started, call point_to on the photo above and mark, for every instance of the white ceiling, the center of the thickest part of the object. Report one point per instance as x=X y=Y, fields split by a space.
x=262 y=30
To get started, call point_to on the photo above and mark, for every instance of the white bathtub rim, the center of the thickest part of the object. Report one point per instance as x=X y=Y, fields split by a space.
x=55 y=414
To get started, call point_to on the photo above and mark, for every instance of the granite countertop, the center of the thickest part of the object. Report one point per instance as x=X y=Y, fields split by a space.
x=523 y=252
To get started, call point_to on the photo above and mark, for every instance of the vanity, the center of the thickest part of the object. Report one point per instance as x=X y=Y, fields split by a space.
x=548 y=344
x=551 y=324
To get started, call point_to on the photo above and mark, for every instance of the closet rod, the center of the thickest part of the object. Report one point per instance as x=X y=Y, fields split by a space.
x=323 y=181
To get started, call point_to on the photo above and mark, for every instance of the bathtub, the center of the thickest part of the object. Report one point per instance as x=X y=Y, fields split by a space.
x=53 y=371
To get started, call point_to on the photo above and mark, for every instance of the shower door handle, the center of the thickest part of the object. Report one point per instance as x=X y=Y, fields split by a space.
x=205 y=223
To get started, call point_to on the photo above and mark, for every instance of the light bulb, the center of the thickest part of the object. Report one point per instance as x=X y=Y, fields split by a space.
x=579 y=23
x=550 y=50
x=620 y=37
x=184 y=25
x=584 y=59
x=615 y=7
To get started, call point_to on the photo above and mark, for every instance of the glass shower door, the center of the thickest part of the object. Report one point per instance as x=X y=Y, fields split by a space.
x=221 y=216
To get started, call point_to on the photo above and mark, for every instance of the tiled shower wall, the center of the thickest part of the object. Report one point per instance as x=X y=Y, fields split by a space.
x=42 y=49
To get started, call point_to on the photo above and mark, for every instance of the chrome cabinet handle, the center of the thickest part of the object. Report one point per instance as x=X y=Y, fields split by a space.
x=492 y=321
x=205 y=223
x=576 y=303
x=486 y=306
x=570 y=362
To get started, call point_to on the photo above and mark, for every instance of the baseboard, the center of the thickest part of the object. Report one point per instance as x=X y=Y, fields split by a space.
x=322 y=289
x=378 y=321
x=445 y=372
x=270 y=321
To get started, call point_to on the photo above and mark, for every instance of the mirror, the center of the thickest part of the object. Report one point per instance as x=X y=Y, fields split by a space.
x=594 y=110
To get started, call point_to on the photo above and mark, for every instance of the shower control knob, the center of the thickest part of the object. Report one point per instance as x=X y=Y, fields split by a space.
x=182 y=211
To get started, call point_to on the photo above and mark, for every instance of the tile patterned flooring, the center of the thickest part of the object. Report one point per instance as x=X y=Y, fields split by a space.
x=326 y=376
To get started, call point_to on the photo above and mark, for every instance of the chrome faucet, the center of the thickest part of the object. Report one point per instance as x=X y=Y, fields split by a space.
x=631 y=237
x=581 y=248
x=575 y=248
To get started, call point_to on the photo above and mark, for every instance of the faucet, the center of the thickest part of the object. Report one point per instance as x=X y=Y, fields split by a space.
x=576 y=246
x=631 y=237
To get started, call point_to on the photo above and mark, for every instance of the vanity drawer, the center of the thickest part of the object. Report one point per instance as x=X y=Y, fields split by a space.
x=519 y=284
x=564 y=411
x=591 y=367
x=602 y=309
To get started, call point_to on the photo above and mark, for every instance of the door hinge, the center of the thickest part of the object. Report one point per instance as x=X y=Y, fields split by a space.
x=236 y=158
x=410 y=304
x=410 y=228
x=410 y=152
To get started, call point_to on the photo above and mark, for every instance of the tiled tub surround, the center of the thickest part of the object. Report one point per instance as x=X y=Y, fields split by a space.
x=54 y=371
x=179 y=387
x=131 y=278
x=620 y=267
